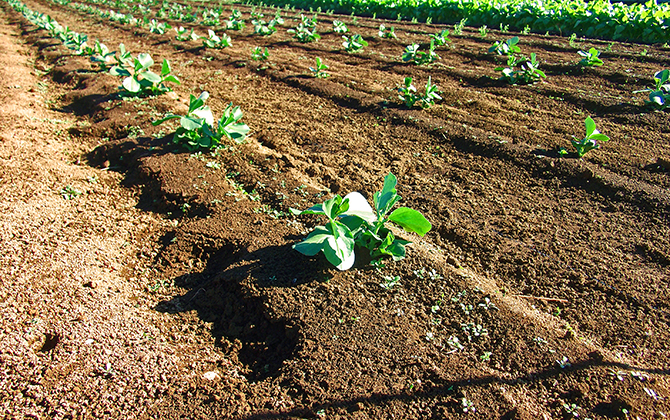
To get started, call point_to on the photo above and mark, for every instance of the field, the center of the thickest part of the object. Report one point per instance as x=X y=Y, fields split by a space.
x=144 y=280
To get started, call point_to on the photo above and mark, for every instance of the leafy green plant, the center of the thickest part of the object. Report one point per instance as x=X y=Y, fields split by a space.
x=590 y=142
x=339 y=27
x=215 y=41
x=139 y=80
x=458 y=28
x=412 y=53
x=263 y=28
x=527 y=72
x=590 y=58
x=388 y=33
x=235 y=22
x=354 y=44
x=160 y=28
x=258 y=54
x=507 y=47
x=483 y=31
x=197 y=128
x=306 y=30
x=319 y=69
x=102 y=56
x=353 y=222
x=659 y=95
x=184 y=35
x=409 y=96
x=441 y=38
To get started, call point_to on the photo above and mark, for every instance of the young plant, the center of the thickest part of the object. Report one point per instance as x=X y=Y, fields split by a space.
x=659 y=96
x=197 y=126
x=139 y=80
x=184 y=35
x=319 y=70
x=214 y=41
x=528 y=71
x=354 y=44
x=458 y=28
x=263 y=28
x=306 y=30
x=388 y=33
x=508 y=47
x=258 y=54
x=441 y=38
x=102 y=56
x=339 y=27
x=409 y=96
x=412 y=53
x=590 y=142
x=235 y=22
x=160 y=28
x=590 y=58
x=353 y=222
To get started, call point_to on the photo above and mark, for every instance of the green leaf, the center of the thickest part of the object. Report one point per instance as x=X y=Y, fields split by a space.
x=131 y=85
x=190 y=123
x=410 y=220
x=145 y=60
x=314 y=241
x=387 y=197
x=166 y=118
x=151 y=77
x=359 y=206
x=590 y=126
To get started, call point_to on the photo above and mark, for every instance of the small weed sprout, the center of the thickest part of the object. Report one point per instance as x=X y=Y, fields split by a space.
x=571 y=410
x=339 y=27
x=526 y=30
x=258 y=54
x=390 y=282
x=468 y=406
x=68 y=192
x=659 y=95
x=483 y=31
x=319 y=69
x=354 y=44
x=591 y=58
x=590 y=142
x=572 y=41
x=388 y=33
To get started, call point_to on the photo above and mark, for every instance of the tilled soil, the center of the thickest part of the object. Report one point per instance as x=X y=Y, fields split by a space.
x=169 y=289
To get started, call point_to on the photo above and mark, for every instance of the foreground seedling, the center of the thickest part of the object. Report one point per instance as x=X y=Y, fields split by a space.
x=590 y=142
x=409 y=96
x=352 y=221
x=659 y=95
x=197 y=126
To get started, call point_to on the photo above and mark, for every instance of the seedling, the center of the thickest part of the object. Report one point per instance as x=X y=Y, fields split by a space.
x=410 y=98
x=483 y=31
x=354 y=44
x=69 y=193
x=352 y=221
x=412 y=53
x=591 y=58
x=215 y=41
x=390 y=282
x=388 y=33
x=160 y=28
x=458 y=28
x=258 y=54
x=197 y=126
x=319 y=70
x=468 y=406
x=508 y=47
x=339 y=27
x=139 y=80
x=102 y=55
x=184 y=35
x=590 y=142
x=527 y=73
x=659 y=96
x=235 y=23
x=441 y=38
x=306 y=30
x=263 y=28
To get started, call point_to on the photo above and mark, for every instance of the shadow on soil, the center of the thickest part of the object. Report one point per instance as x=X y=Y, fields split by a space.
x=610 y=409
x=228 y=294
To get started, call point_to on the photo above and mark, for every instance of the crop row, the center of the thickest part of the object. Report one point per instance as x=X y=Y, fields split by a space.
x=647 y=22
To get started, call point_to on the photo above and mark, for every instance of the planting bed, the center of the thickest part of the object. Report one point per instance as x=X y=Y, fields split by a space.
x=541 y=291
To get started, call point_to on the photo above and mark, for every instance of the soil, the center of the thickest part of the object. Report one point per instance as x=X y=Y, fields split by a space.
x=140 y=280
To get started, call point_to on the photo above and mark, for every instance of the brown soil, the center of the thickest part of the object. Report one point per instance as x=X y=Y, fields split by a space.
x=169 y=289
